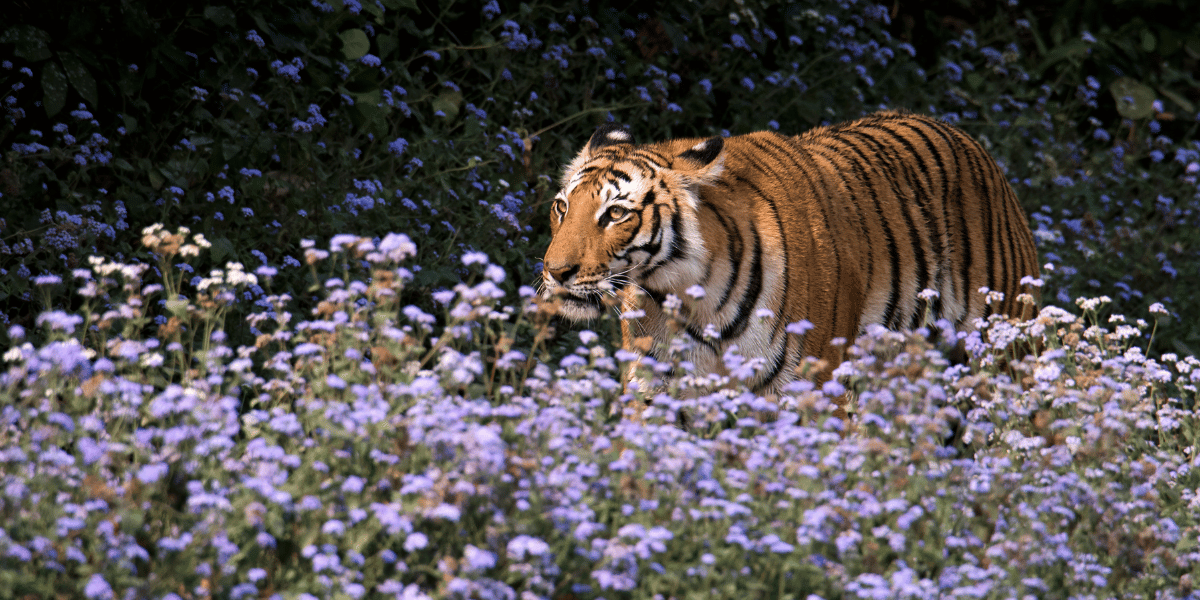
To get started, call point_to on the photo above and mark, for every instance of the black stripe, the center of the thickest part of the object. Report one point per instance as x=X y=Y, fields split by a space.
x=655 y=295
x=859 y=167
x=787 y=148
x=937 y=227
x=655 y=244
x=775 y=366
x=783 y=236
x=749 y=299
x=736 y=253
x=648 y=198
x=632 y=234
x=647 y=167
x=698 y=335
x=965 y=149
x=914 y=233
x=678 y=246
x=960 y=149
x=953 y=139
x=985 y=206
x=660 y=160
x=881 y=161
x=622 y=175
x=988 y=232
x=828 y=203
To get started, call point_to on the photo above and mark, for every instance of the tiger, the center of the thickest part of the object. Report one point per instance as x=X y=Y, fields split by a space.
x=843 y=226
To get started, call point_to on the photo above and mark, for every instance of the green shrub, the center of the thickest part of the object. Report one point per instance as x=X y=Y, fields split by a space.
x=262 y=124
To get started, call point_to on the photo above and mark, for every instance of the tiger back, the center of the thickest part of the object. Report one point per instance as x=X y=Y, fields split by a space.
x=842 y=226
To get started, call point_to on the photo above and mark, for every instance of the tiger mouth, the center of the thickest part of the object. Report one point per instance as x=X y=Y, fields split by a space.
x=589 y=301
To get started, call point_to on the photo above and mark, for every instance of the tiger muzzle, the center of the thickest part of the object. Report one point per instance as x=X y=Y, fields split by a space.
x=561 y=273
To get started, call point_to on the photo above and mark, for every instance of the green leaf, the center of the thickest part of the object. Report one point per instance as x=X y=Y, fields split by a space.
x=54 y=88
x=156 y=179
x=229 y=150
x=80 y=78
x=387 y=44
x=1075 y=47
x=354 y=44
x=32 y=43
x=1192 y=47
x=399 y=4
x=374 y=10
x=372 y=99
x=1183 y=103
x=177 y=307
x=1149 y=42
x=222 y=248
x=368 y=107
x=1134 y=99
x=221 y=15
x=448 y=102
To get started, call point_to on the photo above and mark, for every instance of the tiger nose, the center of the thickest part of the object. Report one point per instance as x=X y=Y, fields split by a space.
x=561 y=273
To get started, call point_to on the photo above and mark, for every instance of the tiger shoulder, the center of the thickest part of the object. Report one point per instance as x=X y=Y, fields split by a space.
x=888 y=219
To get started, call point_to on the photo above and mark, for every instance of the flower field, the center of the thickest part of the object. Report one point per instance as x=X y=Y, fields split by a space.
x=269 y=325
x=364 y=451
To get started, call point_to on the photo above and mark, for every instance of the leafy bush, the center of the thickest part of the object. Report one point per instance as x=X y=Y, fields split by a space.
x=265 y=123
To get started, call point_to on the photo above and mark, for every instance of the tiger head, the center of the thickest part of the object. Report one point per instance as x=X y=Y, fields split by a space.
x=626 y=215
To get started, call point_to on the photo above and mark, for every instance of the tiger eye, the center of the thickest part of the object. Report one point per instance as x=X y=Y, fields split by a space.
x=616 y=212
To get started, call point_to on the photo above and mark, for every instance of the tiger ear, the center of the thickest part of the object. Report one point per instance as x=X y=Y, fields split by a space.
x=702 y=163
x=703 y=153
x=607 y=135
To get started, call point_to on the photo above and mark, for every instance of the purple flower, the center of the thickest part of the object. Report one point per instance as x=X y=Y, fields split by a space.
x=799 y=327
x=59 y=320
x=415 y=541
x=478 y=559
x=491 y=10
x=445 y=511
x=353 y=485
x=97 y=588
x=153 y=472
x=333 y=527
x=521 y=545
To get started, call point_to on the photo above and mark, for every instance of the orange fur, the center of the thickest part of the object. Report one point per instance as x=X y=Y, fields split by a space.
x=842 y=226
